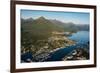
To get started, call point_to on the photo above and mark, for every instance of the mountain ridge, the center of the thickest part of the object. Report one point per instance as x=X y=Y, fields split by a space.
x=43 y=24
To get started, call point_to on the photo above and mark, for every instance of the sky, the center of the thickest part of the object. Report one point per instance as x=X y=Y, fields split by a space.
x=74 y=17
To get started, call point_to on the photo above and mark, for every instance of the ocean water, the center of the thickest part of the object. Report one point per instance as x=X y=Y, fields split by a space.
x=82 y=40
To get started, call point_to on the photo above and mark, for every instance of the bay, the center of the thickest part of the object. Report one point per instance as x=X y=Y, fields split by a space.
x=82 y=40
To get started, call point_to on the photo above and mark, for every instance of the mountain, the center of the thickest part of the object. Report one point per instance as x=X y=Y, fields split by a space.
x=42 y=23
x=26 y=21
x=41 y=28
x=71 y=26
x=67 y=27
x=83 y=27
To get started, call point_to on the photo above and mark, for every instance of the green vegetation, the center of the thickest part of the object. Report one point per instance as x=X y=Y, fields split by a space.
x=42 y=35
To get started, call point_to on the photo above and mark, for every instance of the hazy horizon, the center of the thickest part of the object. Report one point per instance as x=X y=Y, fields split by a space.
x=66 y=17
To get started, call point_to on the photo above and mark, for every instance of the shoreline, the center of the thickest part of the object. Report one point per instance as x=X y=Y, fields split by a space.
x=56 y=49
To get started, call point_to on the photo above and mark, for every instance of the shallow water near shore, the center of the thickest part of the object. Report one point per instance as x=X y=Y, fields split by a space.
x=82 y=41
x=81 y=38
